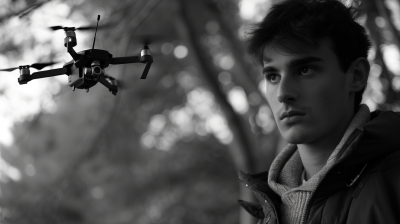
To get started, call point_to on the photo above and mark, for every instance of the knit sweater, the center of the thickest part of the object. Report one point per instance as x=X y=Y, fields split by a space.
x=285 y=175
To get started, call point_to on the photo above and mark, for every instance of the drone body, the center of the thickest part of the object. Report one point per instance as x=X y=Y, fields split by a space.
x=87 y=67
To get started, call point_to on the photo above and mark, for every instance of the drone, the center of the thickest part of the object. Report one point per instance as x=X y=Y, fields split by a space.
x=87 y=67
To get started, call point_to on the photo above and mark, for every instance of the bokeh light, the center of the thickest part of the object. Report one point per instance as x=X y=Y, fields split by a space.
x=391 y=55
x=167 y=48
x=253 y=9
x=238 y=99
x=181 y=51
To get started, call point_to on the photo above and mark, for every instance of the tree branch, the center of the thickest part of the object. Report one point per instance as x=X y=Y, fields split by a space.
x=22 y=12
x=244 y=159
x=243 y=75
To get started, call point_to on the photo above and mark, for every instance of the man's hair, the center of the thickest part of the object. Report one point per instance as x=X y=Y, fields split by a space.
x=296 y=25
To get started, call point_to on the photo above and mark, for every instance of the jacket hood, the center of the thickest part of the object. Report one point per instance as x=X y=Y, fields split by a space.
x=376 y=139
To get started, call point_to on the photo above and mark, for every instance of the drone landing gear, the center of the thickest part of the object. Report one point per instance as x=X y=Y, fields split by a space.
x=111 y=85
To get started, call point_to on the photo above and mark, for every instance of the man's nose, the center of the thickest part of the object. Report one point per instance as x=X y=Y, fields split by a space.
x=287 y=91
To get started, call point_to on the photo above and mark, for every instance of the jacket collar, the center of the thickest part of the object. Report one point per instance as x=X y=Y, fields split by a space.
x=378 y=138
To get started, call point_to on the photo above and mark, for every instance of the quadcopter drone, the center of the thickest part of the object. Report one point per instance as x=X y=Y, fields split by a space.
x=87 y=67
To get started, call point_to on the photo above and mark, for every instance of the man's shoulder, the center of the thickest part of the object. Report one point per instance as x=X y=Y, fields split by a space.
x=378 y=192
x=390 y=161
x=385 y=114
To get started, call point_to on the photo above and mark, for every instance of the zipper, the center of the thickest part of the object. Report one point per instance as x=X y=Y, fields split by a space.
x=266 y=198
x=308 y=204
x=269 y=217
x=356 y=178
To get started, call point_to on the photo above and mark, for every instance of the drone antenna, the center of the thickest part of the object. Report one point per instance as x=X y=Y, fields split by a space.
x=94 y=40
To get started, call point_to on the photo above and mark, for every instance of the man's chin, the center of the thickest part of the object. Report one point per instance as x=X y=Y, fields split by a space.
x=296 y=139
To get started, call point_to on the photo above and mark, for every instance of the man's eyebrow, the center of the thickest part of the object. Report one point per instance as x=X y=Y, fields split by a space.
x=293 y=63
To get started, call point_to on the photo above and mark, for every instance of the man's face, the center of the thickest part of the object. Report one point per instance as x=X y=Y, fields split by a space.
x=312 y=86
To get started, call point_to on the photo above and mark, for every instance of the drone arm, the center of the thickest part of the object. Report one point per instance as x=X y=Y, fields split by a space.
x=72 y=52
x=146 y=69
x=112 y=88
x=24 y=79
x=49 y=73
x=135 y=59
x=125 y=60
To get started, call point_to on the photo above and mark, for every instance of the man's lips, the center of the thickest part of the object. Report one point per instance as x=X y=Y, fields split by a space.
x=290 y=113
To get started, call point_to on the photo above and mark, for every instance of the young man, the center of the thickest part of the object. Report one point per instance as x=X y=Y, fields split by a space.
x=342 y=164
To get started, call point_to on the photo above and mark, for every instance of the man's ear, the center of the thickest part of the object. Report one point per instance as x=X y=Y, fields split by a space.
x=359 y=72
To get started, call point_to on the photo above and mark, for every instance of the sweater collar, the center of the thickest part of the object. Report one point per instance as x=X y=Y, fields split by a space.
x=285 y=171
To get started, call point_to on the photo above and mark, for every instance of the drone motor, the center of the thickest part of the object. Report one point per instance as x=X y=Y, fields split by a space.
x=145 y=51
x=70 y=38
x=24 y=74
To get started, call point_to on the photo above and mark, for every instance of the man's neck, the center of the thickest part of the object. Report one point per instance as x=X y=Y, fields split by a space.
x=313 y=159
x=315 y=155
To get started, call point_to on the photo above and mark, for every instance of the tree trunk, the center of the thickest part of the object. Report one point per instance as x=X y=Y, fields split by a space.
x=240 y=147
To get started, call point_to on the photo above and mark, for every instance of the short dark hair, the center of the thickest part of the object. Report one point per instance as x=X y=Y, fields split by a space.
x=296 y=25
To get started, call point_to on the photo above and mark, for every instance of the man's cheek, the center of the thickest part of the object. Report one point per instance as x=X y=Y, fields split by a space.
x=323 y=99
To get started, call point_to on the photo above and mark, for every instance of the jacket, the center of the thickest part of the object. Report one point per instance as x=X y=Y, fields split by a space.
x=362 y=187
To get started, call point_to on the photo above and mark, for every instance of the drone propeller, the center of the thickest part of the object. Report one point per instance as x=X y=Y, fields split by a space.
x=37 y=66
x=77 y=28
x=40 y=66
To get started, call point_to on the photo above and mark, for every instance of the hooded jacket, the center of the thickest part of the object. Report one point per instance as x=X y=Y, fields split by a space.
x=362 y=186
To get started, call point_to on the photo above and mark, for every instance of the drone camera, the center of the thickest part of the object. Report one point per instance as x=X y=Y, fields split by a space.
x=70 y=38
x=94 y=71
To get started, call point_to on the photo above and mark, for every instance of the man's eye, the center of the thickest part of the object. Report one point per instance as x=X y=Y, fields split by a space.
x=306 y=71
x=273 y=78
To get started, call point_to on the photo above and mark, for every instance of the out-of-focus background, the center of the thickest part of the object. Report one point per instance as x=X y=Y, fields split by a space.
x=166 y=149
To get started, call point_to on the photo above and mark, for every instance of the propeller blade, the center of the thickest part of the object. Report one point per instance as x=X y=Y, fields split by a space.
x=56 y=27
x=86 y=28
x=73 y=28
x=94 y=27
x=8 y=69
x=40 y=66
